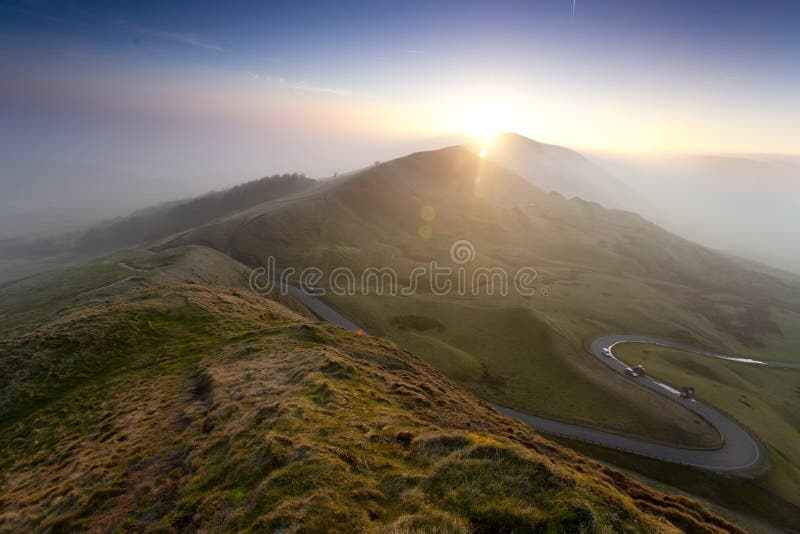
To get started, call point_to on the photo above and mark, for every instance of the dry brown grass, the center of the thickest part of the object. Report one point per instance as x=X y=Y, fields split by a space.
x=243 y=415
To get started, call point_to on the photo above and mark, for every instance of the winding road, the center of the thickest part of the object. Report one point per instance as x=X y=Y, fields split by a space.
x=740 y=451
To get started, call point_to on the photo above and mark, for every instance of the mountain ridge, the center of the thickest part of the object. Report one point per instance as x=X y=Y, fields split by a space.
x=561 y=169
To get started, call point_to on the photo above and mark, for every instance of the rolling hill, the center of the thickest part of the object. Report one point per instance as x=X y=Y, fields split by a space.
x=598 y=271
x=560 y=169
x=180 y=401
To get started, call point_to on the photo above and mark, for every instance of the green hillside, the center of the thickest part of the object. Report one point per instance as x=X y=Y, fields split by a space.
x=177 y=403
x=606 y=271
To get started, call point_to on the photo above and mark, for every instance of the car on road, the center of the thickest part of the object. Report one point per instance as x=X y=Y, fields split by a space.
x=607 y=352
x=635 y=371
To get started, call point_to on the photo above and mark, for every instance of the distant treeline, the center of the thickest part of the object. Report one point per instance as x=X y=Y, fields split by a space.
x=163 y=220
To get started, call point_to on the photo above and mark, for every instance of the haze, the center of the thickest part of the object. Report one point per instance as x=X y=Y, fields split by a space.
x=106 y=109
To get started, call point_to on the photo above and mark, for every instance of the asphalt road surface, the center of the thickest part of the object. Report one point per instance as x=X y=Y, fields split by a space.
x=739 y=451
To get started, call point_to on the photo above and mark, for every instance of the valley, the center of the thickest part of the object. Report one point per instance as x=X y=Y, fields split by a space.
x=534 y=354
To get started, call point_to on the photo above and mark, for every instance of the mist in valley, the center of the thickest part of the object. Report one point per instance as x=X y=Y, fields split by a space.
x=744 y=205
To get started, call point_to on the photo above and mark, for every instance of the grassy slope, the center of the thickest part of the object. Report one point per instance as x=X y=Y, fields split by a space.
x=746 y=496
x=175 y=406
x=766 y=400
x=607 y=271
x=510 y=355
x=42 y=296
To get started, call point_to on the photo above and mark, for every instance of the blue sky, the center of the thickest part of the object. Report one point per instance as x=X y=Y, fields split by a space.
x=237 y=88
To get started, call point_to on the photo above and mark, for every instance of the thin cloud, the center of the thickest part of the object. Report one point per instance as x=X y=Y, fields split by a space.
x=297 y=86
x=304 y=86
x=265 y=77
x=184 y=38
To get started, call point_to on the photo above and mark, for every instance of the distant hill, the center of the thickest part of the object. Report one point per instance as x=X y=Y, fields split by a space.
x=560 y=169
x=162 y=220
x=474 y=198
x=179 y=401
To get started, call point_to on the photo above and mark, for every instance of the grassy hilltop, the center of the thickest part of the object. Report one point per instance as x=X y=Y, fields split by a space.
x=176 y=402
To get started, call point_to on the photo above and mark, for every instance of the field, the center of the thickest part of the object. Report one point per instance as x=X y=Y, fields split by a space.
x=765 y=400
x=744 y=495
x=510 y=355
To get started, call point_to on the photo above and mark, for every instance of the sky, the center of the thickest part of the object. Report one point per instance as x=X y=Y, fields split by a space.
x=205 y=94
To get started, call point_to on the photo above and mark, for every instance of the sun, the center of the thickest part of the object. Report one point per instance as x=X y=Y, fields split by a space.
x=488 y=133
x=483 y=153
x=486 y=119
x=485 y=125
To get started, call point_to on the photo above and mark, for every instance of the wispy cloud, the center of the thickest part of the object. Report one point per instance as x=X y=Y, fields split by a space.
x=184 y=38
x=271 y=79
x=305 y=86
x=298 y=85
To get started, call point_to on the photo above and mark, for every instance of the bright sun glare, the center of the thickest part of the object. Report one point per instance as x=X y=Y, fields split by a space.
x=486 y=130
x=487 y=134
x=487 y=120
